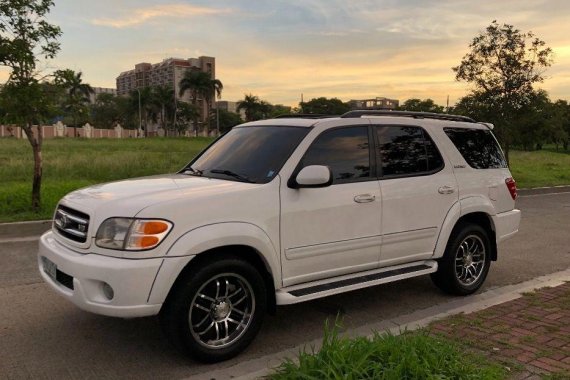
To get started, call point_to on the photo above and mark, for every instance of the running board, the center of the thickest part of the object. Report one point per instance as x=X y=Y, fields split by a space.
x=341 y=284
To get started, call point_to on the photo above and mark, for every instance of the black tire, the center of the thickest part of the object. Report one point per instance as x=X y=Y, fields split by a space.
x=181 y=324
x=453 y=278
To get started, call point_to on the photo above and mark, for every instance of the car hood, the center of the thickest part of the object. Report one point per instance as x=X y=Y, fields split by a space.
x=128 y=197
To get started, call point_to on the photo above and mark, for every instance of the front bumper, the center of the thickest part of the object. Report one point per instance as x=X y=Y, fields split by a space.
x=506 y=224
x=81 y=278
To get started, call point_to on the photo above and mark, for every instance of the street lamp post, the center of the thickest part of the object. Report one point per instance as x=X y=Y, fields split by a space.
x=140 y=111
x=218 y=118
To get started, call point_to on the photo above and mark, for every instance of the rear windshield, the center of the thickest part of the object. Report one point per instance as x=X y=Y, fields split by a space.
x=478 y=147
x=248 y=154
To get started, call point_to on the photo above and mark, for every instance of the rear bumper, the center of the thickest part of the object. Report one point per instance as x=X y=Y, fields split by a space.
x=506 y=224
x=81 y=278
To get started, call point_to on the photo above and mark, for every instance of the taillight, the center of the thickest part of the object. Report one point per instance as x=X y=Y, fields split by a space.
x=512 y=186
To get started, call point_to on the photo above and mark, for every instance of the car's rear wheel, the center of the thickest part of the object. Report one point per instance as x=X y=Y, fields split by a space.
x=466 y=261
x=216 y=309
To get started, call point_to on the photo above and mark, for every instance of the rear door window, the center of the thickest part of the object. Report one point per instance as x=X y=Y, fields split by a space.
x=407 y=151
x=478 y=147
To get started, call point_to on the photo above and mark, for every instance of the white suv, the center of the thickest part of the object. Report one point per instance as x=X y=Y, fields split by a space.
x=283 y=211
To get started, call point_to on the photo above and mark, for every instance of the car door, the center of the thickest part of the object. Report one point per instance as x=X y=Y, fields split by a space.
x=418 y=190
x=334 y=230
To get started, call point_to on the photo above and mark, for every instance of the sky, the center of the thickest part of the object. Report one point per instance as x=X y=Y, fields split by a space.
x=278 y=50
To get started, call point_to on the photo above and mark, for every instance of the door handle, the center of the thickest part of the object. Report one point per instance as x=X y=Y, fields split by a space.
x=446 y=190
x=364 y=198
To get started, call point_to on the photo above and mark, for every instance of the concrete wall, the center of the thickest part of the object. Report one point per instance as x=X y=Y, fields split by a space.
x=60 y=130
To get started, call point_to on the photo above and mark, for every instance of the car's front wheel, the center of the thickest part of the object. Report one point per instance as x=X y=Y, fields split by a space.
x=216 y=309
x=466 y=261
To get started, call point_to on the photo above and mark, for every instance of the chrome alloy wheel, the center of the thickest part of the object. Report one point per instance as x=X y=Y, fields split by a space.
x=221 y=310
x=470 y=260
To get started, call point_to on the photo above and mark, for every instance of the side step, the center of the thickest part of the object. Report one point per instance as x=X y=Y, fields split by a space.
x=341 y=284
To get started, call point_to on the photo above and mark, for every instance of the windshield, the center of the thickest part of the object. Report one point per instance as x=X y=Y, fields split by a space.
x=248 y=154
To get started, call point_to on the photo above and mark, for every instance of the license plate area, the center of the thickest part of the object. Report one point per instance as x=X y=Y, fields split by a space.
x=49 y=268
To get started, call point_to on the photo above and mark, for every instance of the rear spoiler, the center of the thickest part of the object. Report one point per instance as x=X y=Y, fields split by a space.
x=488 y=125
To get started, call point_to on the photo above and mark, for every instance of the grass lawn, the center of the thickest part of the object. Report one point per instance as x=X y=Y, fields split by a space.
x=73 y=163
x=545 y=167
x=412 y=355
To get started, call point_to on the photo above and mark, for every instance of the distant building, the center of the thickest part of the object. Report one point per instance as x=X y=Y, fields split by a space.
x=230 y=107
x=100 y=90
x=374 y=104
x=167 y=73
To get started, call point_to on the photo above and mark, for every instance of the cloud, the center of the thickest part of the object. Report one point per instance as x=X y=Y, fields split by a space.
x=142 y=15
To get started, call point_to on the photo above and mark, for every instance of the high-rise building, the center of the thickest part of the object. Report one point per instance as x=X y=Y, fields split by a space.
x=374 y=104
x=167 y=73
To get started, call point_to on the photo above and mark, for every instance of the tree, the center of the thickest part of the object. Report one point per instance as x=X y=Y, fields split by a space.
x=214 y=91
x=73 y=83
x=503 y=65
x=78 y=95
x=227 y=119
x=143 y=99
x=251 y=105
x=279 y=109
x=418 y=105
x=201 y=85
x=106 y=112
x=163 y=99
x=185 y=114
x=25 y=38
x=255 y=109
x=324 y=106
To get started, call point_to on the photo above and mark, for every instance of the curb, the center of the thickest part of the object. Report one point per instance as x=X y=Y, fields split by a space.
x=544 y=190
x=23 y=229
x=260 y=367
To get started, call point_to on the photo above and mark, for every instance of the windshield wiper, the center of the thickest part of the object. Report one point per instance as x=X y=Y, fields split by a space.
x=193 y=171
x=232 y=174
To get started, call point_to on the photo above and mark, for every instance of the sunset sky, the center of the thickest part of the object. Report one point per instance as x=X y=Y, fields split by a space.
x=280 y=49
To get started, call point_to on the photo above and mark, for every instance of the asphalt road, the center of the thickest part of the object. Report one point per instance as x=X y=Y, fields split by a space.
x=44 y=336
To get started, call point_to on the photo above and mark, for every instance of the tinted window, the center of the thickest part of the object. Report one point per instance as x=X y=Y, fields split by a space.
x=254 y=153
x=345 y=151
x=407 y=151
x=478 y=147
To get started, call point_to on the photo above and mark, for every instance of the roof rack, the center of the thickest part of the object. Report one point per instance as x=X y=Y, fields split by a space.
x=415 y=115
x=304 y=116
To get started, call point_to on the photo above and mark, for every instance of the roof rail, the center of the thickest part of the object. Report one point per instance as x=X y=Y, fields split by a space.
x=304 y=116
x=415 y=115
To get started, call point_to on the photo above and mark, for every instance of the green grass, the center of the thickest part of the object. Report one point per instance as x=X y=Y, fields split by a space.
x=70 y=164
x=414 y=355
x=73 y=163
x=540 y=168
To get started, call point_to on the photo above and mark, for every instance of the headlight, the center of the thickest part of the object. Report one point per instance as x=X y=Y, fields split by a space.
x=132 y=234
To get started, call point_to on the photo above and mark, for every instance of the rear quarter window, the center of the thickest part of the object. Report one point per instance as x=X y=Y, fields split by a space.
x=478 y=147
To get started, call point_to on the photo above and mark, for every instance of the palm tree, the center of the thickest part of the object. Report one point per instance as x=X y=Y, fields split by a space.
x=78 y=93
x=163 y=98
x=147 y=107
x=251 y=105
x=73 y=83
x=201 y=85
x=215 y=91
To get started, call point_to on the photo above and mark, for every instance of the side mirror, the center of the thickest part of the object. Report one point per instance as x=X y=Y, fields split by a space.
x=314 y=176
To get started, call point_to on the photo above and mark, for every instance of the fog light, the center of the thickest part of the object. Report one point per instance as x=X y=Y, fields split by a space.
x=108 y=291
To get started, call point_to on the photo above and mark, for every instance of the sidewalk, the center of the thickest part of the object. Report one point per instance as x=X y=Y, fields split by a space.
x=532 y=332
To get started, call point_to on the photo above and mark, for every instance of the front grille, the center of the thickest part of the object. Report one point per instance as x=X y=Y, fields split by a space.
x=64 y=279
x=71 y=224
